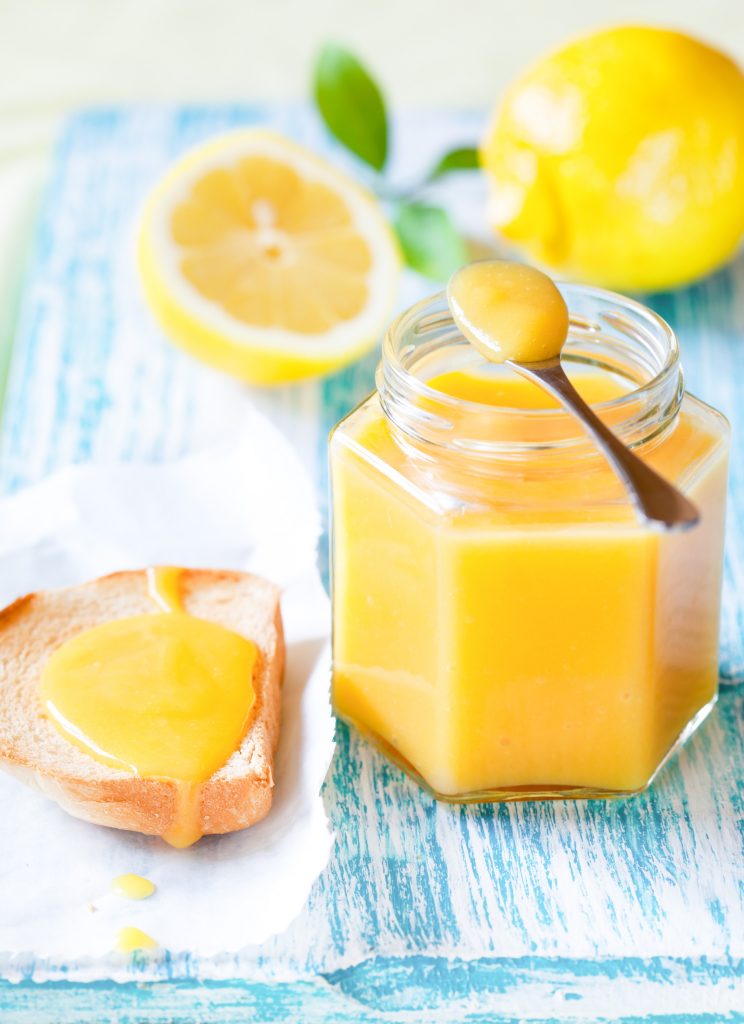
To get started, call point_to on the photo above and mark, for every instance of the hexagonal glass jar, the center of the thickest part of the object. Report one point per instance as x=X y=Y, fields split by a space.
x=504 y=625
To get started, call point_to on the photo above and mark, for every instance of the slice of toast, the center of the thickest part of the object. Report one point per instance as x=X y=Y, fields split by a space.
x=236 y=796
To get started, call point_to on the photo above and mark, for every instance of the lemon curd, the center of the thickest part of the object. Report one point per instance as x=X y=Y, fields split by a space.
x=504 y=626
x=512 y=392
x=164 y=695
x=133 y=887
x=130 y=939
x=508 y=310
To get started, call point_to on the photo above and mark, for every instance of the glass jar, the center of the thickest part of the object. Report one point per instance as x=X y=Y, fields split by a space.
x=504 y=625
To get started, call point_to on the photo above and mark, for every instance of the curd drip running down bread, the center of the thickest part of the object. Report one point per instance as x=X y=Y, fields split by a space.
x=147 y=701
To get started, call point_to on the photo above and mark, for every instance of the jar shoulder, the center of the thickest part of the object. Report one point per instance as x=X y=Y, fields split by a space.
x=440 y=483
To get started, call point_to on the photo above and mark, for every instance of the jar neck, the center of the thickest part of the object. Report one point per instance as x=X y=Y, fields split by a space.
x=607 y=333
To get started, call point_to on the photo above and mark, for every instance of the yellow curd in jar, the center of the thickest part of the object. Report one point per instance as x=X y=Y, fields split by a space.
x=505 y=627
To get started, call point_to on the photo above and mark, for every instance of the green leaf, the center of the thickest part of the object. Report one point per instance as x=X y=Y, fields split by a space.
x=351 y=104
x=463 y=159
x=430 y=242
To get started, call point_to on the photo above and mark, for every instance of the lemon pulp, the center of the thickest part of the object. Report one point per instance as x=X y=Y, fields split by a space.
x=272 y=248
x=262 y=259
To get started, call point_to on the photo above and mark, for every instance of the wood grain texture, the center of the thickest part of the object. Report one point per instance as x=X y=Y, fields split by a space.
x=426 y=911
x=417 y=990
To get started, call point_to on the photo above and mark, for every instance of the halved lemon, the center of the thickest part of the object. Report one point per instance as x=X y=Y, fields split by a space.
x=265 y=261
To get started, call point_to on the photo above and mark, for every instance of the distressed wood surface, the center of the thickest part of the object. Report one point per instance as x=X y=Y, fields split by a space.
x=535 y=911
x=406 y=991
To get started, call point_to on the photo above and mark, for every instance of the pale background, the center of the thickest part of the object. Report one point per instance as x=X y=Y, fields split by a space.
x=56 y=55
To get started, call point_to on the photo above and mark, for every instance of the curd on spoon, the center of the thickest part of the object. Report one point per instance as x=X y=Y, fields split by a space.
x=508 y=311
x=515 y=314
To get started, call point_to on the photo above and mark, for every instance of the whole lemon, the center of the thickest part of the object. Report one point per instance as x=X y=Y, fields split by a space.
x=619 y=159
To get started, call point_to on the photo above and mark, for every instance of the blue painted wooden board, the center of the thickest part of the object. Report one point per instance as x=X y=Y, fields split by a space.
x=562 y=911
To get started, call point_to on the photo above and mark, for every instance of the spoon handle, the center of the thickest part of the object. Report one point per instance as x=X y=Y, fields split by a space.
x=654 y=497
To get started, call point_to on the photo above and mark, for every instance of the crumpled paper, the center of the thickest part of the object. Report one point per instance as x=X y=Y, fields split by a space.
x=246 y=504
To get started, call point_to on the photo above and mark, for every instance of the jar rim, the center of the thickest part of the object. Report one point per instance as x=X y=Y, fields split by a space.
x=637 y=415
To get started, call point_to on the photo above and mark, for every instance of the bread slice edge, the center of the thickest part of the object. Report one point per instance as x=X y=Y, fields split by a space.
x=236 y=796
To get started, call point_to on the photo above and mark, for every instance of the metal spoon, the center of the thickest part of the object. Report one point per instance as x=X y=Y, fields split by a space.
x=655 y=498
x=507 y=310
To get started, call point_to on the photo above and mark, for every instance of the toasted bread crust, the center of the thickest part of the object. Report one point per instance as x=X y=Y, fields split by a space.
x=236 y=796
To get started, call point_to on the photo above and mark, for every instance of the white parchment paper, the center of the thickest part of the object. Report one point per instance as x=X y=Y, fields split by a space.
x=246 y=504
